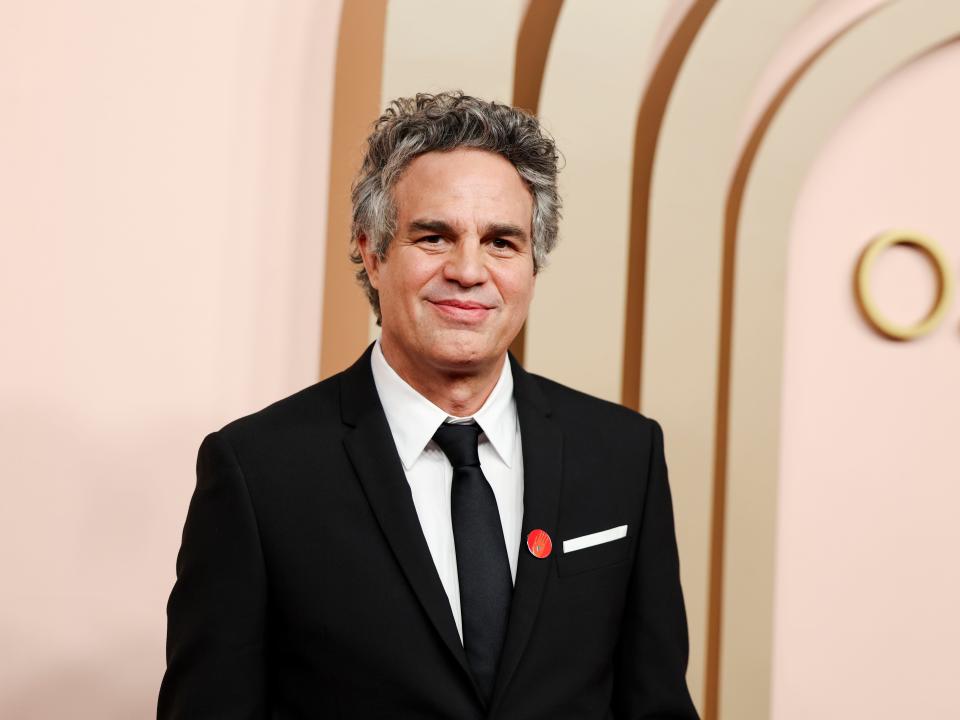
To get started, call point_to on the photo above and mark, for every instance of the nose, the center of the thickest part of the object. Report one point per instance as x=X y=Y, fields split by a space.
x=466 y=264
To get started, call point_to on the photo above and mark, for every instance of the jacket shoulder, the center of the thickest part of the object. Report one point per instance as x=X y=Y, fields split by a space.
x=302 y=412
x=578 y=407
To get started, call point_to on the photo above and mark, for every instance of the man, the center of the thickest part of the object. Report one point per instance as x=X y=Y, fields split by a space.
x=435 y=532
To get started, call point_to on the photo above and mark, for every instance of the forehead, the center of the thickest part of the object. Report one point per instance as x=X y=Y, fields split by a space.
x=465 y=182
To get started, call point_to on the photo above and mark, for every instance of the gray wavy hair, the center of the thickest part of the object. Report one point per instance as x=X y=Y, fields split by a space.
x=410 y=127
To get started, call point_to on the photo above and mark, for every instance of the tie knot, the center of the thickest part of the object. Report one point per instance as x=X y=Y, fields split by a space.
x=459 y=443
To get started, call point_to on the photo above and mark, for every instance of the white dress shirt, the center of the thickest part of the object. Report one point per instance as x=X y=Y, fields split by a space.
x=413 y=420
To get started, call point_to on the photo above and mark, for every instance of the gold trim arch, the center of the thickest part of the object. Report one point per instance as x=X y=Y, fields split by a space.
x=356 y=96
x=533 y=46
x=682 y=237
x=872 y=49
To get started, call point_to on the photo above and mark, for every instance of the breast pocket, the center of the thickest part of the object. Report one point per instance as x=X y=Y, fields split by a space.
x=595 y=551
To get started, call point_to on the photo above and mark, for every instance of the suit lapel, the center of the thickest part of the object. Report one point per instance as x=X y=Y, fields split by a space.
x=374 y=456
x=542 y=445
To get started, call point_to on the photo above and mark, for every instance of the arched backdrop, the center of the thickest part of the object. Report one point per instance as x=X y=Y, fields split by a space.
x=174 y=207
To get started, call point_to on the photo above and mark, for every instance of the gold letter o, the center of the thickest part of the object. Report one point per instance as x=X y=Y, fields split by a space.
x=862 y=285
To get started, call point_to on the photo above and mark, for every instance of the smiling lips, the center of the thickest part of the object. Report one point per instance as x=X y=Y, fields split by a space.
x=462 y=310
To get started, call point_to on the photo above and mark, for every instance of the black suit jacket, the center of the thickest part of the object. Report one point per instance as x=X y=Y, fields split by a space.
x=305 y=588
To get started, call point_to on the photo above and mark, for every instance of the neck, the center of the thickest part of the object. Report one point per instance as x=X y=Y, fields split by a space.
x=460 y=394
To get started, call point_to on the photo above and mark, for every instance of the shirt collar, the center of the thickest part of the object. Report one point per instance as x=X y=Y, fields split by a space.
x=413 y=419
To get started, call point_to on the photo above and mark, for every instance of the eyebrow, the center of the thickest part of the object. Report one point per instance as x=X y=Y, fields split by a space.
x=442 y=227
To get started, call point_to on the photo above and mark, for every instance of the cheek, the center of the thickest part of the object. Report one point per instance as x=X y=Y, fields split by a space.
x=425 y=271
x=517 y=287
x=412 y=278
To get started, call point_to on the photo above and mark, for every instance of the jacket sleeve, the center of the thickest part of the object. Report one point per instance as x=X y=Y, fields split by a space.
x=651 y=657
x=215 y=614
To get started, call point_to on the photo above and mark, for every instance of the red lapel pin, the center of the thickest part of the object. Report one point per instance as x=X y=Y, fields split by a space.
x=539 y=543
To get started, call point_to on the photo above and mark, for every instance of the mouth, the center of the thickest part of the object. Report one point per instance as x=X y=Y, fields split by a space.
x=462 y=311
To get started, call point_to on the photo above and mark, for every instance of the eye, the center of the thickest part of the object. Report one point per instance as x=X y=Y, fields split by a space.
x=502 y=244
x=430 y=239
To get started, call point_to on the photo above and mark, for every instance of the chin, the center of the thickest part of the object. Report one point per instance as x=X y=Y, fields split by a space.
x=460 y=349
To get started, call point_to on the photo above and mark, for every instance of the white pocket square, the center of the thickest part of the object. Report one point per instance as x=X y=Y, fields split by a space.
x=585 y=541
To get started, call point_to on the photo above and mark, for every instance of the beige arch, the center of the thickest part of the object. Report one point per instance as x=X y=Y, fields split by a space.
x=874 y=48
x=695 y=154
x=427 y=48
x=694 y=552
x=432 y=45
x=591 y=91
x=675 y=44
x=533 y=45
x=368 y=74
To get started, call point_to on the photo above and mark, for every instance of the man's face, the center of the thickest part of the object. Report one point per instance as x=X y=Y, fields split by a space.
x=458 y=277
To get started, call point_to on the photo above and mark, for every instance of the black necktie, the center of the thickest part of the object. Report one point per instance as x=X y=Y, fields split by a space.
x=482 y=565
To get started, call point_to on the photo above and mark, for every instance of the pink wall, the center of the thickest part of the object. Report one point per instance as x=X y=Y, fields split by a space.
x=162 y=209
x=867 y=583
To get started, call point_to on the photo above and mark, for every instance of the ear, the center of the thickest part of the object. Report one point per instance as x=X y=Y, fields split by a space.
x=371 y=262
